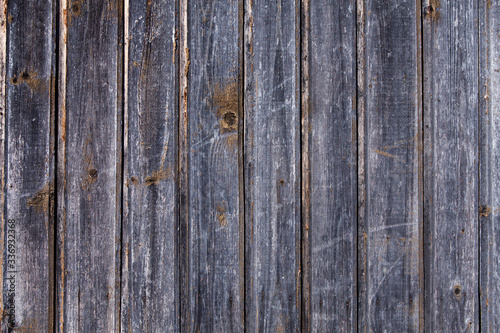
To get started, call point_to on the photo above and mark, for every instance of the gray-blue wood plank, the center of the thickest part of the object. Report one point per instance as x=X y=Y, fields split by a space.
x=89 y=167
x=214 y=262
x=150 y=280
x=451 y=157
x=272 y=166
x=489 y=204
x=28 y=172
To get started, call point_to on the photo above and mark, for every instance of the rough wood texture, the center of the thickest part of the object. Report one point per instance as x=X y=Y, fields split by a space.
x=390 y=231
x=89 y=179
x=489 y=204
x=272 y=166
x=150 y=294
x=451 y=171
x=215 y=278
x=332 y=192
x=29 y=166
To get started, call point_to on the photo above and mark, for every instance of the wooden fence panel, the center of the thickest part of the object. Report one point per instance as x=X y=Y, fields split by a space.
x=390 y=242
x=451 y=143
x=247 y=165
x=89 y=178
x=329 y=136
x=272 y=166
x=150 y=280
x=489 y=203
x=28 y=228
x=215 y=278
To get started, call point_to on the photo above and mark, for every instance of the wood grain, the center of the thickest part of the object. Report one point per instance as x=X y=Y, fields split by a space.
x=28 y=172
x=489 y=203
x=272 y=166
x=150 y=295
x=390 y=242
x=215 y=278
x=331 y=148
x=451 y=144
x=89 y=175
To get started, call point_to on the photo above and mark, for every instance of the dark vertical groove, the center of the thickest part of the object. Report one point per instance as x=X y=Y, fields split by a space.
x=422 y=169
x=121 y=78
x=54 y=202
x=479 y=158
x=241 y=155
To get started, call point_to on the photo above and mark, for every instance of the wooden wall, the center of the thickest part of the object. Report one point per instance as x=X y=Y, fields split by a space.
x=250 y=165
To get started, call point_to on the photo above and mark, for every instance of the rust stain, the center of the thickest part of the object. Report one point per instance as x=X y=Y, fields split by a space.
x=225 y=102
x=176 y=37
x=134 y=181
x=10 y=18
x=484 y=211
x=42 y=199
x=431 y=12
x=188 y=62
x=63 y=122
x=159 y=175
x=75 y=10
x=221 y=213
x=384 y=153
x=30 y=78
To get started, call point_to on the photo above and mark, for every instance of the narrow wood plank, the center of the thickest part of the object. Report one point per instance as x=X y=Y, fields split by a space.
x=150 y=293
x=390 y=227
x=489 y=204
x=451 y=165
x=331 y=149
x=89 y=172
x=28 y=224
x=272 y=166
x=3 y=255
x=215 y=278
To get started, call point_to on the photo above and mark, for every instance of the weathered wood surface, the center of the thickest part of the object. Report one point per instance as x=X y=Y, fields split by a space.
x=450 y=56
x=215 y=252
x=272 y=166
x=390 y=242
x=246 y=165
x=331 y=195
x=28 y=172
x=89 y=178
x=489 y=202
x=150 y=293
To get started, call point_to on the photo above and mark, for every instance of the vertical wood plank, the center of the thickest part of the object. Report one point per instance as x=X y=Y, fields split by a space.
x=3 y=230
x=28 y=248
x=489 y=208
x=451 y=165
x=89 y=172
x=331 y=149
x=390 y=240
x=150 y=293
x=272 y=166
x=215 y=278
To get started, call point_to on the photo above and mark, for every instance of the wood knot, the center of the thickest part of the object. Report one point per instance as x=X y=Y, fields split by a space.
x=93 y=173
x=457 y=291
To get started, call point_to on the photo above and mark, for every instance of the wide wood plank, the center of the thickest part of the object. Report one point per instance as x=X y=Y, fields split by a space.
x=89 y=168
x=214 y=196
x=450 y=43
x=150 y=294
x=28 y=228
x=489 y=208
x=329 y=137
x=390 y=228
x=272 y=166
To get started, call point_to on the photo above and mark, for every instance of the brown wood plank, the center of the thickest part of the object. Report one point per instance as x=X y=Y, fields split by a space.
x=89 y=167
x=150 y=280
x=390 y=170
x=450 y=40
x=28 y=228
